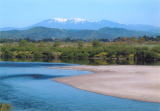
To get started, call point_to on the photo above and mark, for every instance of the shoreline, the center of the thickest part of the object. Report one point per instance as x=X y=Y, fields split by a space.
x=133 y=82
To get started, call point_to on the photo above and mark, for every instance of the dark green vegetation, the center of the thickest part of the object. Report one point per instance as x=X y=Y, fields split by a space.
x=5 y=107
x=144 y=49
x=39 y=33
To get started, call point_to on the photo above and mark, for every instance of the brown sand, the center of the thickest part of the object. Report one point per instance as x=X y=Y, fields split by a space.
x=124 y=81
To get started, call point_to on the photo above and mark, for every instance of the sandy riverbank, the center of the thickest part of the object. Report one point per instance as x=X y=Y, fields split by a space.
x=132 y=82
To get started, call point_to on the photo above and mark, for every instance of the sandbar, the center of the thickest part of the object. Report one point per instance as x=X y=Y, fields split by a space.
x=136 y=82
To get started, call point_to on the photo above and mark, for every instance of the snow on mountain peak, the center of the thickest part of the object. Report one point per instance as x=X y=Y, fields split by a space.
x=75 y=20
x=78 y=19
x=60 y=19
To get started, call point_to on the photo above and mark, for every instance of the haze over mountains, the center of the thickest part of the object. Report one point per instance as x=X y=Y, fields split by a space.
x=78 y=28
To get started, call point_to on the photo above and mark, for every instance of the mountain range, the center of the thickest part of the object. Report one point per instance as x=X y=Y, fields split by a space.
x=78 y=28
x=81 y=24
x=78 y=23
x=38 y=33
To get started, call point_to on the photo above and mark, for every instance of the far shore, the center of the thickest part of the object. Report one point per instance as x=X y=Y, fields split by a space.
x=125 y=81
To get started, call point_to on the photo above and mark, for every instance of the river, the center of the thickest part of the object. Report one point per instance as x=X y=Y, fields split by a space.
x=28 y=86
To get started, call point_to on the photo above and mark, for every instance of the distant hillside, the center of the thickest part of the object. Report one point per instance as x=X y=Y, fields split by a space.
x=7 y=28
x=38 y=33
x=83 y=24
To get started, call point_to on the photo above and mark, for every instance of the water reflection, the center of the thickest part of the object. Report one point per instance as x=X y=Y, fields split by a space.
x=87 y=61
x=33 y=76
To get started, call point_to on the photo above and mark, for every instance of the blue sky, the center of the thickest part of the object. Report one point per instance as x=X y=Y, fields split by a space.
x=21 y=13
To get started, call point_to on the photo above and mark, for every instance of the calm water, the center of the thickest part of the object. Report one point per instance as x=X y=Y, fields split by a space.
x=28 y=87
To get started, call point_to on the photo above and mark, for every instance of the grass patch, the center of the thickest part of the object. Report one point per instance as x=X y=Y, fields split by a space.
x=5 y=107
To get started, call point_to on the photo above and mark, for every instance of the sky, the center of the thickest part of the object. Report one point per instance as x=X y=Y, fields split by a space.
x=22 y=13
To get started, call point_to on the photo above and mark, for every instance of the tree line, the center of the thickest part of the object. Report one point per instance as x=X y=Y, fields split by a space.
x=137 y=49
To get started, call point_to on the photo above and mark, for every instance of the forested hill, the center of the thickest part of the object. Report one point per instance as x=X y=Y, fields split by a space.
x=38 y=33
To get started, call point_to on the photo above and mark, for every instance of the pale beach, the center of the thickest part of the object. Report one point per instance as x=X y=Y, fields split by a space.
x=125 y=81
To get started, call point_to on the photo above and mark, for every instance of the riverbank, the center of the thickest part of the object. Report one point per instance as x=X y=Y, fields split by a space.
x=133 y=82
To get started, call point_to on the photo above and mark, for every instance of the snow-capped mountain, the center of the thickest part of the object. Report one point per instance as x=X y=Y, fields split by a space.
x=76 y=23
x=82 y=24
x=78 y=28
x=64 y=23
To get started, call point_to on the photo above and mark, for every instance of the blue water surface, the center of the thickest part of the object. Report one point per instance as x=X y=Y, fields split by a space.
x=28 y=86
